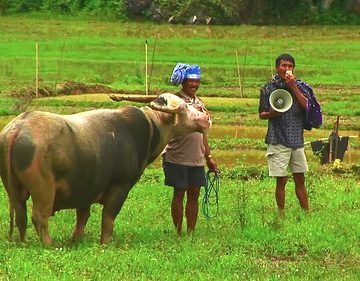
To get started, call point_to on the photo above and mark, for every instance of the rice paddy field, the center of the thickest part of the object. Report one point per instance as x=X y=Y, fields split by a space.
x=247 y=239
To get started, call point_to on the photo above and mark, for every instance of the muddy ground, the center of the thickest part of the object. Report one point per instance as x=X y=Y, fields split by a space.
x=69 y=88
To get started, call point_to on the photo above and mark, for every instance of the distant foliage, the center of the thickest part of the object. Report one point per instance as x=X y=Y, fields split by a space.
x=113 y=9
x=264 y=12
x=22 y=6
x=203 y=11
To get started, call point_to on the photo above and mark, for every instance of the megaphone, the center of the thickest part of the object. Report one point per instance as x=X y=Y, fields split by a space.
x=280 y=100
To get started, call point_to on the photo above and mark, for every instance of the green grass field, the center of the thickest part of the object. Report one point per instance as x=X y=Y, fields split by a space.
x=247 y=240
x=114 y=53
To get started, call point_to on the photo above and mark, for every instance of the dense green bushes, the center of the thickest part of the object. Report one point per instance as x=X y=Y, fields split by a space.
x=101 y=8
x=289 y=12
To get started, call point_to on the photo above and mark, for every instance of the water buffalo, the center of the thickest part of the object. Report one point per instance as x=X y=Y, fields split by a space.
x=73 y=161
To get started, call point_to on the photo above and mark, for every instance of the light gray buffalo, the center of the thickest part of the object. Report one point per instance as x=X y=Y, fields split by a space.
x=73 y=161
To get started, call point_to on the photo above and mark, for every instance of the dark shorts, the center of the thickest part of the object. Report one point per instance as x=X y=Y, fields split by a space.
x=182 y=177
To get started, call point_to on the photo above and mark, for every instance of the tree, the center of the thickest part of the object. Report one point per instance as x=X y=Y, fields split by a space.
x=3 y=7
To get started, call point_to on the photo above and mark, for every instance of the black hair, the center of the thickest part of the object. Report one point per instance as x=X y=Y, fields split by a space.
x=284 y=57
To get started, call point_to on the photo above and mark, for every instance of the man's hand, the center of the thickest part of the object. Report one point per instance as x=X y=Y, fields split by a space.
x=273 y=113
x=290 y=79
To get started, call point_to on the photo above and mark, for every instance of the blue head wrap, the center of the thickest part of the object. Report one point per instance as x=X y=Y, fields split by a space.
x=182 y=71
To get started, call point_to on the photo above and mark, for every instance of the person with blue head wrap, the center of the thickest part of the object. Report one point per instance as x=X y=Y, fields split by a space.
x=184 y=157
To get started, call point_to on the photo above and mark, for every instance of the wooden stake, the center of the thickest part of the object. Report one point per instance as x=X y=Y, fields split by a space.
x=337 y=136
x=37 y=70
x=349 y=152
x=331 y=153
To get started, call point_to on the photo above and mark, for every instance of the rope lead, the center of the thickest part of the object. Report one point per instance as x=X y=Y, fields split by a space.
x=211 y=196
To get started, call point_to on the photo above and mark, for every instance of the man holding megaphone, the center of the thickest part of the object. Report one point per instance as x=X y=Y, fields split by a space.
x=283 y=102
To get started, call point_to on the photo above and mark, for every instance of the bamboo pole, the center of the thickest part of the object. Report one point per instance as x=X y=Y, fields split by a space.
x=146 y=69
x=152 y=63
x=243 y=72
x=238 y=71
x=37 y=69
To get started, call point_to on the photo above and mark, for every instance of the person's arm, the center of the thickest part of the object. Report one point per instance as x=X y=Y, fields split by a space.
x=210 y=162
x=269 y=114
x=291 y=82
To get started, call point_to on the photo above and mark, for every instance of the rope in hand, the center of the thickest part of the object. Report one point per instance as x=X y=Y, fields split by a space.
x=211 y=196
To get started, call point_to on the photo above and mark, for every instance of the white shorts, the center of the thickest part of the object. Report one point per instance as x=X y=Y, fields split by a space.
x=280 y=158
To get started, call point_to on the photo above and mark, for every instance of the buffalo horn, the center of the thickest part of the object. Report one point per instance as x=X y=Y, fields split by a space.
x=135 y=98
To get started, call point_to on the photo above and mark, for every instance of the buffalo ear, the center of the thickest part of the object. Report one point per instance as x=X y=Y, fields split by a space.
x=167 y=103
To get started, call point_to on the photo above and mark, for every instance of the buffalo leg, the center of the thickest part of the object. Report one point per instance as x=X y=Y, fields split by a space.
x=42 y=190
x=17 y=206
x=20 y=196
x=112 y=206
x=82 y=216
x=42 y=228
x=21 y=218
x=40 y=218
